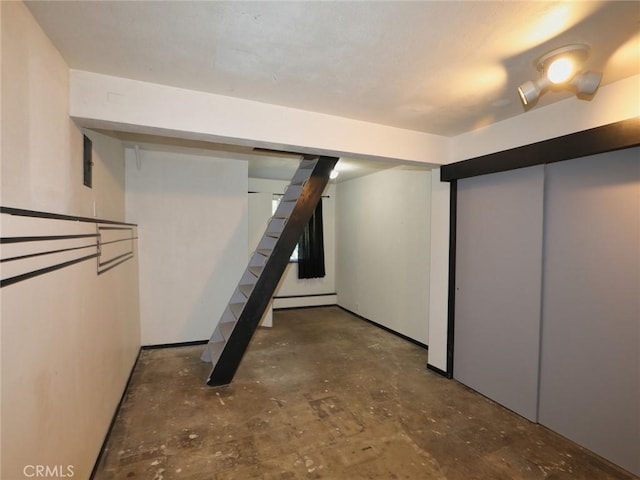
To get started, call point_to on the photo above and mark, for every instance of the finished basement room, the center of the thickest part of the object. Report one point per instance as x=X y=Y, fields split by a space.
x=332 y=240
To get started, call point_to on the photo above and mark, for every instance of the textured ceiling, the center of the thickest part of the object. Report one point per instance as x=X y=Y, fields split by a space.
x=437 y=67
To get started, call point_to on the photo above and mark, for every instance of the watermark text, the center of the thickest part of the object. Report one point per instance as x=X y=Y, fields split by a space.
x=48 y=471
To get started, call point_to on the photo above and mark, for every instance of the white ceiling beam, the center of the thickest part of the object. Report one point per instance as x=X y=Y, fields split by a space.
x=103 y=101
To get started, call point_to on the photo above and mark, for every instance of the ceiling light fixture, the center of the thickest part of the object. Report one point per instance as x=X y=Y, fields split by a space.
x=334 y=174
x=559 y=71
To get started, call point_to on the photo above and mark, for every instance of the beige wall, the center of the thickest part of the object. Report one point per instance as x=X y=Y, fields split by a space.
x=70 y=337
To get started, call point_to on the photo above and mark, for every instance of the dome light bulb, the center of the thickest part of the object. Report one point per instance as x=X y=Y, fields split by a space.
x=560 y=70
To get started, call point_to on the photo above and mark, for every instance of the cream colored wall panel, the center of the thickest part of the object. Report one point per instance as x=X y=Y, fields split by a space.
x=69 y=336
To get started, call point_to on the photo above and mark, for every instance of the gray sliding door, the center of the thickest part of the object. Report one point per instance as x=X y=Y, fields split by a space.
x=590 y=360
x=498 y=286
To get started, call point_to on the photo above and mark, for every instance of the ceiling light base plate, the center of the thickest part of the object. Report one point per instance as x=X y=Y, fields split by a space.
x=578 y=51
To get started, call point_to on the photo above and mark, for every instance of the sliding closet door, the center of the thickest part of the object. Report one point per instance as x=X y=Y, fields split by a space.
x=498 y=286
x=590 y=360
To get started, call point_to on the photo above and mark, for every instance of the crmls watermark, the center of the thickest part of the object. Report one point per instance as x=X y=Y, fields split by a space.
x=48 y=471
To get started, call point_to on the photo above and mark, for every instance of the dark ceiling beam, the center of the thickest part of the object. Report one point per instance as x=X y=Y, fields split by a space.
x=607 y=138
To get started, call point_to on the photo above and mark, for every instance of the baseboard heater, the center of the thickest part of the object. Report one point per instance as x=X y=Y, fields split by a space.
x=281 y=302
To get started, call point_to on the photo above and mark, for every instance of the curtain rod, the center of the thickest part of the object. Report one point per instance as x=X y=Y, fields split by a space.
x=281 y=194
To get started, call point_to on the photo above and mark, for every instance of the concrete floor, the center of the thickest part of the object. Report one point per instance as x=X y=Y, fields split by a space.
x=326 y=395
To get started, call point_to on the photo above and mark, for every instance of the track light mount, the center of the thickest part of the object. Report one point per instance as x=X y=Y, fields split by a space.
x=559 y=71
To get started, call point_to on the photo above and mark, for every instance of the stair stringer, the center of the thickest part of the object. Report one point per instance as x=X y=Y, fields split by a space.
x=230 y=350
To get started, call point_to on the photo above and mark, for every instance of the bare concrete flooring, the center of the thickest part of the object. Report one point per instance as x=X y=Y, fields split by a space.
x=326 y=395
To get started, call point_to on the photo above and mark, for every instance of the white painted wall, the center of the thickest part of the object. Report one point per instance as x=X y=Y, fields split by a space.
x=119 y=103
x=439 y=271
x=291 y=285
x=192 y=212
x=108 y=177
x=382 y=258
x=70 y=337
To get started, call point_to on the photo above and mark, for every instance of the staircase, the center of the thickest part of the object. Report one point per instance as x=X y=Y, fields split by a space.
x=266 y=265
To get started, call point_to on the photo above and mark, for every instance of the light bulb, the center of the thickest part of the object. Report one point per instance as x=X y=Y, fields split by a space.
x=560 y=70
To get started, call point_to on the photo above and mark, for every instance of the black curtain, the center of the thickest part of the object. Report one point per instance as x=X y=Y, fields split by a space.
x=311 y=247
